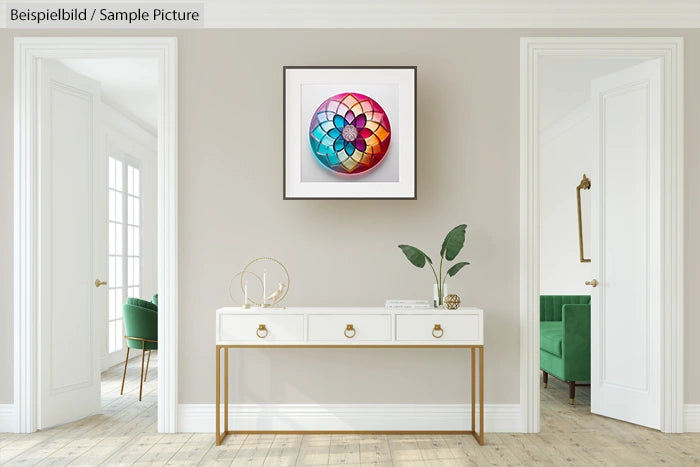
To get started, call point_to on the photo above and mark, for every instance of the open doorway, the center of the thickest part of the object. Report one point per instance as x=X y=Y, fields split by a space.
x=98 y=147
x=618 y=100
x=95 y=225
x=569 y=94
x=128 y=151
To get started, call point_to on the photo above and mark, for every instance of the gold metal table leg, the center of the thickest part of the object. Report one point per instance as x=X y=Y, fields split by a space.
x=218 y=395
x=479 y=436
x=481 y=395
x=225 y=391
x=473 y=390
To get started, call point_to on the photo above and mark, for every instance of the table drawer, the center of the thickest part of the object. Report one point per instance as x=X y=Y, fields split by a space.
x=261 y=328
x=439 y=328
x=349 y=328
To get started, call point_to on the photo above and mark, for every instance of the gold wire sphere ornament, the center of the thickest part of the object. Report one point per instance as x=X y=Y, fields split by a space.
x=284 y=287
x=452 y=302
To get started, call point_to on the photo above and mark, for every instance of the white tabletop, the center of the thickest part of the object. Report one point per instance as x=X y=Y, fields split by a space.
x=349 y=310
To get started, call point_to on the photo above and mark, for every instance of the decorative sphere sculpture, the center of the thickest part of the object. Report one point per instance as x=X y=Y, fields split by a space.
x=452 y=302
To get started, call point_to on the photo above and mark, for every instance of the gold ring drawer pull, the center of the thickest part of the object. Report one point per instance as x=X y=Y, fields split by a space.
x=348 y=329
x=438 y=329
x=262 y=331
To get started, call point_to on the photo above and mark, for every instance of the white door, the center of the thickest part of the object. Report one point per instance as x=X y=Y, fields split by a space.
x=626 y=245
x=72 y=246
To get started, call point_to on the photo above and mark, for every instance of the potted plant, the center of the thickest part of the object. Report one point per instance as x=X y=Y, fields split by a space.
x=451 y=246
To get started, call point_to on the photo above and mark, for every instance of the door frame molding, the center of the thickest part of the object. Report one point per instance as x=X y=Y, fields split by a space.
x=670 y=51
x=27 y=53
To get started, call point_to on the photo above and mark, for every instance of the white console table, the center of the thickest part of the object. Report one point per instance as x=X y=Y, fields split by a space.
x=324 y=327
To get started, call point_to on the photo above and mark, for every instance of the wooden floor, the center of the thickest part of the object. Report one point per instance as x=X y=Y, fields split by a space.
x=125 y=433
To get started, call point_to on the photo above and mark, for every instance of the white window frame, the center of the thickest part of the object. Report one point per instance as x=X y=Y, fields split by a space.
x=127 y=161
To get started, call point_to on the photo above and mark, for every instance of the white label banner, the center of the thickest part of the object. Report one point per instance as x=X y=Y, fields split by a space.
x=99 y=15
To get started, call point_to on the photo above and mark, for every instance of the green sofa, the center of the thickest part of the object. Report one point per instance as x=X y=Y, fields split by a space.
x=565 y=339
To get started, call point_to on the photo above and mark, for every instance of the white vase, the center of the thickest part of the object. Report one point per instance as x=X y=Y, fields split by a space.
x=437 y=303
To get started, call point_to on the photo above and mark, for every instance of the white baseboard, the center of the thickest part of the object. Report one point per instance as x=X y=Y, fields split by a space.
x=8 y=418
x=692 y=418
x=355 y=417
x=348 y=417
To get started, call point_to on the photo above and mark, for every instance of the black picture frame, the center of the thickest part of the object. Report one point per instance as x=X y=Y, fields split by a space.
x=408 y=156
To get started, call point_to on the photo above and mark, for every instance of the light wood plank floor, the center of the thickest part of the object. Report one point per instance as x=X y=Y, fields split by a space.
x=125 y=433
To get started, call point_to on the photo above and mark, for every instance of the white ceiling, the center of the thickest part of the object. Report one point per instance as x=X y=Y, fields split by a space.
x=128 y=84
x=451 y=13
x=438 y=13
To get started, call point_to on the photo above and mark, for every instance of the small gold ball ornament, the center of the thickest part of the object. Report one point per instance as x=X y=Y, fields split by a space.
x=452 y=302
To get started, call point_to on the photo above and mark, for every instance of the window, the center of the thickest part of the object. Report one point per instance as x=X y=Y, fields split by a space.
x=124 y=243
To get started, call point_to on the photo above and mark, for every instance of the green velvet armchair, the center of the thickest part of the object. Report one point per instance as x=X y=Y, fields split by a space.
x=142 y=303
x=565 y=339
x=141 y=325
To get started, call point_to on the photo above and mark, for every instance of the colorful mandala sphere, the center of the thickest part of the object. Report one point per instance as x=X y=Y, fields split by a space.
x=350 y=133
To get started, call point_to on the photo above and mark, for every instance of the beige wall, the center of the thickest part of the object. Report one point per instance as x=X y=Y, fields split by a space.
x=344 y=252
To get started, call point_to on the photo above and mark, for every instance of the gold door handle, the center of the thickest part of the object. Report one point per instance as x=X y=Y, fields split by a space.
x=592 y=283
x=584 y=185
x=349 y=328
x=436 y=329
x=261 y=328
x=99 y=282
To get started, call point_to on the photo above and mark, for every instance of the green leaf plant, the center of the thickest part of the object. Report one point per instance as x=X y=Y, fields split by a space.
x=451 y=246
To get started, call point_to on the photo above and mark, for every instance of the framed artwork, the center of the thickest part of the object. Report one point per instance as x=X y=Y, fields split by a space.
x=349 y=132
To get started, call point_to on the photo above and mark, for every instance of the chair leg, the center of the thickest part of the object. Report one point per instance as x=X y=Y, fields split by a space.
x=572 y=391
x=143 y=354
x=145 y=377
x=124 y=376
x=545 y=378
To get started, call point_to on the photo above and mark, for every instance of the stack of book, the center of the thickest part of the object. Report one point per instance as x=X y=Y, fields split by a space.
x=407 y=304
